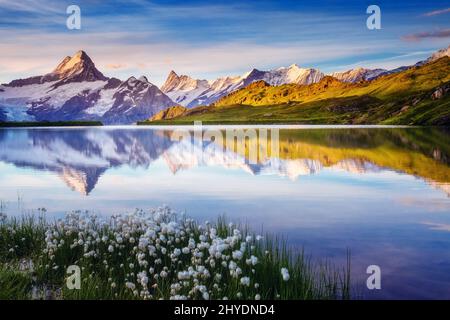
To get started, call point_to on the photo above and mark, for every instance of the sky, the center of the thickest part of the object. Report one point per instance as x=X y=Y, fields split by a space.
x=210 y=39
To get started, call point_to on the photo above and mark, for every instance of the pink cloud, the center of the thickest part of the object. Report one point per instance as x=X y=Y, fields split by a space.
x=437 y=12
x=443 y=33
x=115 y=66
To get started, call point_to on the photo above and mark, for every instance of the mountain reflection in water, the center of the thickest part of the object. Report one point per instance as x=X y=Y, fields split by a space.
x=81 y=156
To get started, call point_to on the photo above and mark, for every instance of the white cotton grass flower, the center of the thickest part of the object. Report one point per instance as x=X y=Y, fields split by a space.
x=257 y=297
x=237 y=255
x=156 y=250
x=285 y=274
x=252 y=261
x=245 y=281
x=183 y=275
x=130 y=285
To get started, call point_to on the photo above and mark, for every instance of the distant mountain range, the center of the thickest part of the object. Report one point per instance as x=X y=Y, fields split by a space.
x=415 y=95
x=190 y=92
x=77 y=90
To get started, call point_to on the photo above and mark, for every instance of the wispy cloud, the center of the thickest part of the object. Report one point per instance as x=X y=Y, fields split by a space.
x=115 y=66
x=443 y=33
x=32 y=6
x=200 y=38
x=438 y=226
x=437 y=12
x=156 y=59
x=390 y=62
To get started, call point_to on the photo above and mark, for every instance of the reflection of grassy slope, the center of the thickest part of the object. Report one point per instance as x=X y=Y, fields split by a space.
x=402 y=98
x=433 y=142
x=416 y=151
x=386 y=155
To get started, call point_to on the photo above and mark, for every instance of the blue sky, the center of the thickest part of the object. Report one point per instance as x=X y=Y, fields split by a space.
x=207 y=39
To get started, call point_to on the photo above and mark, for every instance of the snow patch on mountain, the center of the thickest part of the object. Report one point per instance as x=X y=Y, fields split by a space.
x=103 y=104
x=17 y=113
x=358 y=74
x=292 y=74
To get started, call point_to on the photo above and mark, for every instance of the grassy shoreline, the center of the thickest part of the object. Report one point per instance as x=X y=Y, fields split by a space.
x=50 y=124
x=225 y=122
x=156 y=255
x=230 y=122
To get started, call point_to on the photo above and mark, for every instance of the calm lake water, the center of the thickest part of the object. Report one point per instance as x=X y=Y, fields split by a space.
x=382 y=193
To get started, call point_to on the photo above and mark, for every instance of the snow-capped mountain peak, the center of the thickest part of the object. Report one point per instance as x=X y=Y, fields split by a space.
x=183 y=82
x=77 y=90
x=292 y=74
x=445 y=52
x=62 y=65
x=134 y=85
x=172 y=82
x=77 y=68
x=292 y=68
x=73 y=64
x=183 y=89
x=143 y=79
